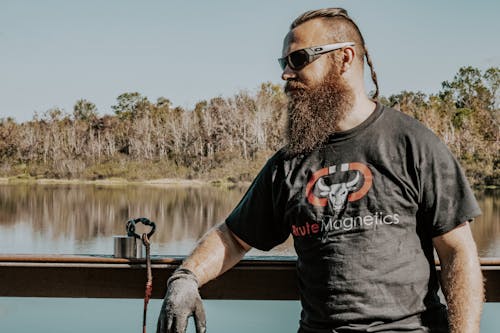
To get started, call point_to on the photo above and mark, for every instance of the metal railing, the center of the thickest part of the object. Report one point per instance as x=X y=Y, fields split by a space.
x=92 y=276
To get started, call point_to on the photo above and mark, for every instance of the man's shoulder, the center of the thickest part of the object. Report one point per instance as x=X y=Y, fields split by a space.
x=421 y=141
x=273 y=162
x=400 y=117
x=277 y=158
x=407 y=126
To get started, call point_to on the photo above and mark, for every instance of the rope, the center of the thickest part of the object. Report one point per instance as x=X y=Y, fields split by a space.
x=145 y=240
x=149 y=282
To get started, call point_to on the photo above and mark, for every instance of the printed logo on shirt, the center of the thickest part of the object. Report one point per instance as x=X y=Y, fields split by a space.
x=325 y=190
x=320 y=191
x=329 y=224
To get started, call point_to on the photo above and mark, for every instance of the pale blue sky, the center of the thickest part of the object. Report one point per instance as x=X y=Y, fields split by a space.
x=55 y=52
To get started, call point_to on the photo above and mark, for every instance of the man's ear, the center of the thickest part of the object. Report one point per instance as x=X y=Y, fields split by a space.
x=348 y=56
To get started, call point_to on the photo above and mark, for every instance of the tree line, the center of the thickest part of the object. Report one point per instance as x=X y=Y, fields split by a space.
x=229 y=137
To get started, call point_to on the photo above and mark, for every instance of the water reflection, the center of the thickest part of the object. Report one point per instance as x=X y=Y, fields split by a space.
x=86 y=214
x=486 y=229
x=82 y=218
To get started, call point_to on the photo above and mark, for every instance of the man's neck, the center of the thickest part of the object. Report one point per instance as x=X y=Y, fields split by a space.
x=362 y=108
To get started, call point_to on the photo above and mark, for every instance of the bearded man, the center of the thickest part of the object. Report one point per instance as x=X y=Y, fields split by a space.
x=367 y=192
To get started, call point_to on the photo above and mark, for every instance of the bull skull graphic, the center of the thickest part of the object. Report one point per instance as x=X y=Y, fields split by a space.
x=337 y=193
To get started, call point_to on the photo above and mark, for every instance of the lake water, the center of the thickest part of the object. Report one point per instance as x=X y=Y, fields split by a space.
x=81 y=219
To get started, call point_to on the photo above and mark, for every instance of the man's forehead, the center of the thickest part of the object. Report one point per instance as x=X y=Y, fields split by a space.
x=310 y=33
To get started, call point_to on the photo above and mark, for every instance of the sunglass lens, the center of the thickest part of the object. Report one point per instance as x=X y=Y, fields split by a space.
x=282 y=62
x=298 y=59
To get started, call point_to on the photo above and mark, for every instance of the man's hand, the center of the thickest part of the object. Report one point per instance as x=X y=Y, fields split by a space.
x=181 y=301
x=216 y=252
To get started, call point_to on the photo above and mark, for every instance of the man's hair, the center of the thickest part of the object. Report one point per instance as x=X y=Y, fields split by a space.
x=343 y=29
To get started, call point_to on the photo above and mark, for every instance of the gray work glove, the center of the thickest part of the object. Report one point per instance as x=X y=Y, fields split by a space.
x=181 y=301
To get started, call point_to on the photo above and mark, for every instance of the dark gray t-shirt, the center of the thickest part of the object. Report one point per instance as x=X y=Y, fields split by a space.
x=362 y=210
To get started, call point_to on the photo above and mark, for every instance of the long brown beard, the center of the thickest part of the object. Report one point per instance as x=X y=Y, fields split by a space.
x=314 y=113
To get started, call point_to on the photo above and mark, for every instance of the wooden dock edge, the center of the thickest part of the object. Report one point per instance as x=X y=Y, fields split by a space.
x=92 y=276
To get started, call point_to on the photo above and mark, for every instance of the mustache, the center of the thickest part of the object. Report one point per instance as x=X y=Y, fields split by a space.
x=294 y=85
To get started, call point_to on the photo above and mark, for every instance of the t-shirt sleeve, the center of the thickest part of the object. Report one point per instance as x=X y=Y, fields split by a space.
x=447 y=199
x=258 y=218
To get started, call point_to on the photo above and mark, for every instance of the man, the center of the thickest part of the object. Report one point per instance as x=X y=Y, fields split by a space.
x=367 y=193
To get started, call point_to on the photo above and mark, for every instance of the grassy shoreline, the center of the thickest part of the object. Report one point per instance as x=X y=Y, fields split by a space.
x=163 y=182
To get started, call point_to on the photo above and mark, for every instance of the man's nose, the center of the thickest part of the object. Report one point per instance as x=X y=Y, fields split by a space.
x=288 y=74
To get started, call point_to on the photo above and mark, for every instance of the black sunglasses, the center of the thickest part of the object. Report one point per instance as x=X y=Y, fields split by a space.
x=300 y=58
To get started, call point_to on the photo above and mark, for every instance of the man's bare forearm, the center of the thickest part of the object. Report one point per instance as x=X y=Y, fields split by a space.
x=215 y=253
x=463 y=288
